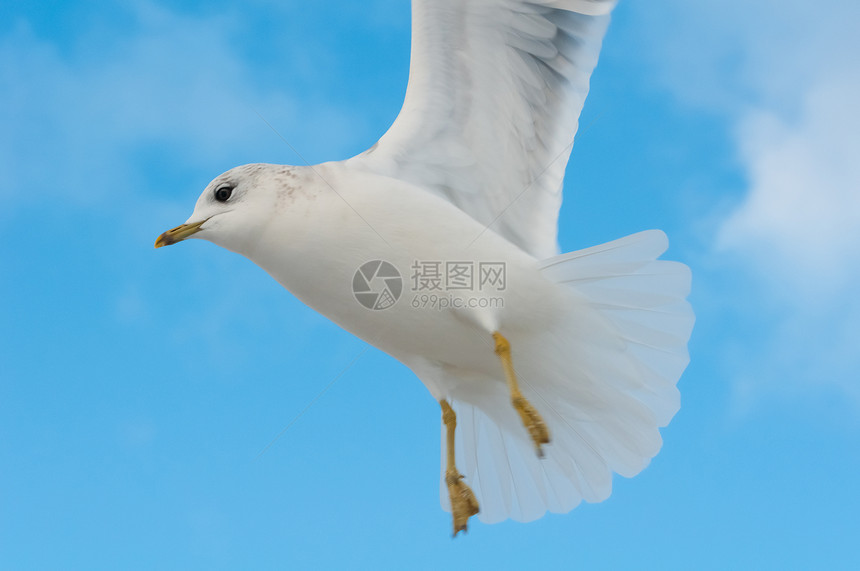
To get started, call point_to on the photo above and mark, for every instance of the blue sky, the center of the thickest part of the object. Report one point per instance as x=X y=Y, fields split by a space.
x=138 y=387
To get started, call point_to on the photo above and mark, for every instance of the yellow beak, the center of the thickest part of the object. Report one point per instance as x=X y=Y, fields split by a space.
x=178 y=234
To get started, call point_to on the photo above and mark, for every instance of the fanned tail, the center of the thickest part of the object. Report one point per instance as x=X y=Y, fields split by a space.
x=603 y=377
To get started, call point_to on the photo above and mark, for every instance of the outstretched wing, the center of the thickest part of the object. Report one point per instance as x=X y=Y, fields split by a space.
x=493 y=102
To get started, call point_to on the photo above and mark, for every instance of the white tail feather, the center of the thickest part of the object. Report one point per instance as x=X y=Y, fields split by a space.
x=603 y=379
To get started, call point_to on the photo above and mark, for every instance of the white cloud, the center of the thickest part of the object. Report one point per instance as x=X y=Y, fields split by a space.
x=786 y=76
x=798 y=232
x=79 y=116
x=119 y=125
x=800 y=220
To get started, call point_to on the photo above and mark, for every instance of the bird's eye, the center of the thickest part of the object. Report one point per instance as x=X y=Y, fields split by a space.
x=222 y=194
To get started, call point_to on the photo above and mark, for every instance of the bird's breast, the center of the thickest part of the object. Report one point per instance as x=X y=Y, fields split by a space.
x=404 y=270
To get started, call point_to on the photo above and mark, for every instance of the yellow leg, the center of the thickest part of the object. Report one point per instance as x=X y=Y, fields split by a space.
x=463 y=502
x=530 y=417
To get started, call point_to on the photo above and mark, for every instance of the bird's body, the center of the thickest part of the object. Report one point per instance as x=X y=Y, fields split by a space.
x=316 y=239
x=576 y=356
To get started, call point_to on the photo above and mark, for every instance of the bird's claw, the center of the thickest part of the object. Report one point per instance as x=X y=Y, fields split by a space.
x=533 y=422
x=464 y=504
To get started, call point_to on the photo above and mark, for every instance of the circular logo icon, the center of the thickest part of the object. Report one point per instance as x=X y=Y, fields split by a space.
x=377 y=285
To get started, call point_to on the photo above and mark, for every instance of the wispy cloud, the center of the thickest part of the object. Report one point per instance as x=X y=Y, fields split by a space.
x=800 y=221
x=84 y=118
x=787 y=77
x=114 y=129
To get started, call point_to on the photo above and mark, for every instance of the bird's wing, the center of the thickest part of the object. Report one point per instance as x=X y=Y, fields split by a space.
x=492 y=105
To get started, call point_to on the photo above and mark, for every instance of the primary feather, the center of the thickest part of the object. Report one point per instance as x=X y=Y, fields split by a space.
x=492 y=106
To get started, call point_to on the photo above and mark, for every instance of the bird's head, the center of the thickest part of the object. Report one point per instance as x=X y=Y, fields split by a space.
x=235 y=208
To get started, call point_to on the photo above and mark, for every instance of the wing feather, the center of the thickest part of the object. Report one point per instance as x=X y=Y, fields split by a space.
x=492 y=105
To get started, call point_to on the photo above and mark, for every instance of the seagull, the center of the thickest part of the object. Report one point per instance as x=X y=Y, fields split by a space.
x=438 y=246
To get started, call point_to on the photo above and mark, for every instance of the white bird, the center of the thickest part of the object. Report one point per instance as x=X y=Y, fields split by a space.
x=439 y=246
